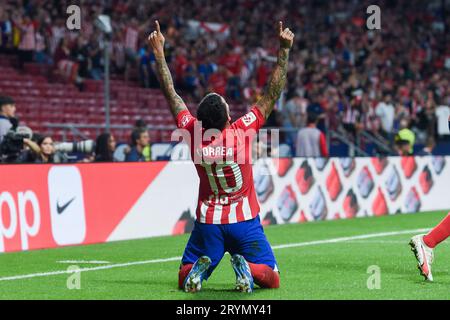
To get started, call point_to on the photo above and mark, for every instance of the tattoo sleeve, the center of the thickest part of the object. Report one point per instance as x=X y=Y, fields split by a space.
x=165 y=78
x=276 y=84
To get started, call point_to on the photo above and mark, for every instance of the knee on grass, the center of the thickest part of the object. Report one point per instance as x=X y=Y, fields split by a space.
x=264 y=276
x=183 y=273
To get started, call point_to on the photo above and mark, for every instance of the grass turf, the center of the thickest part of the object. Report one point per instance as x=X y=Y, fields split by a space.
x=320 y=271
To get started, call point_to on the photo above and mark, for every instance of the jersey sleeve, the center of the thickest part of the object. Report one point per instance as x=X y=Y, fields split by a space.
x=185 y=120
x=252 y=120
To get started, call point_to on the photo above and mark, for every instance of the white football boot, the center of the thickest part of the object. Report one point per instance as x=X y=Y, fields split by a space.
x=424 y=256
x=244 y=278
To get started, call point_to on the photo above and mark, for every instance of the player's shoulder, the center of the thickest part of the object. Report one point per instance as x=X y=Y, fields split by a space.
x=253 y=116
x=185 y=119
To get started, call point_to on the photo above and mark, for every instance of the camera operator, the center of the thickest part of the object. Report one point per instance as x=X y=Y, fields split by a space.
x=73 y=151
x=13 y=148
x=7 y=112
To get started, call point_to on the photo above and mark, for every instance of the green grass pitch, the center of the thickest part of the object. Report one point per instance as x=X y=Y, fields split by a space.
x=312 y=269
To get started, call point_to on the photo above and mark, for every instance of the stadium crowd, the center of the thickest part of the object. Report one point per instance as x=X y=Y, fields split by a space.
x=353 y=79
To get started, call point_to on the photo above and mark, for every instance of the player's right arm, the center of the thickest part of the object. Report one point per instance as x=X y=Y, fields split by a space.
x=156 y=41
x=278 y=79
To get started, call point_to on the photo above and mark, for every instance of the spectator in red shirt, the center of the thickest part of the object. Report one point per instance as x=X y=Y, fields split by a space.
x=218 y=81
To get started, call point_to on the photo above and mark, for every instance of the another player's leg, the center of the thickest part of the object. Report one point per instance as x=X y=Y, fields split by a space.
x=250 y=250
x=203 y=253
x=423 y=245
x=424 y=256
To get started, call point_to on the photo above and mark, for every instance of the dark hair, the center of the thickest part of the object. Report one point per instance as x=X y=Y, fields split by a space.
x=40 y=139
x=136 y=134
x=140 y=123
x=311 y=118
x=102 y=152
x=212 y=112
x=4 y=100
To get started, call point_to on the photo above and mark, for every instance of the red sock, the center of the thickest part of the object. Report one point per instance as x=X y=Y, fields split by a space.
x=183 y=273
x=264 y=276
x=439 y=233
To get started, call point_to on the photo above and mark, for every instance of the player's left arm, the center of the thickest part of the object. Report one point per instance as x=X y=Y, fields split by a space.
x=156 y=41
x=279 y=75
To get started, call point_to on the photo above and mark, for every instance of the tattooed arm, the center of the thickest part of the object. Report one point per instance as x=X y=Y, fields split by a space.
x=278 y=79
x=156 y=41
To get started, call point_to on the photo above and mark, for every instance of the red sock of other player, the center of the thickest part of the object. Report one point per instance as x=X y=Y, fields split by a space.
x=439 y=233
x=183 y=273
x=264 y=276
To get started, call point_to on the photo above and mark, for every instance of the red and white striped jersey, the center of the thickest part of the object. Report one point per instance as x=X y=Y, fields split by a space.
x=131 y=39
x=28 y=40
x=226 y=192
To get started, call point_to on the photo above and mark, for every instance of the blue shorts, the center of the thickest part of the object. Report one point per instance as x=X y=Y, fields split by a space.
x=213 y=240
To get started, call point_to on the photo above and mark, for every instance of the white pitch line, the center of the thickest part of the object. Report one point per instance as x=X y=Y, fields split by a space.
x=118 y=265
x=284 y=246
x=84 y=261
x=363 y=236
x=376 y=241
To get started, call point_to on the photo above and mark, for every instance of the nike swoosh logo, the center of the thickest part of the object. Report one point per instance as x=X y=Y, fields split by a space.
x=61 y=209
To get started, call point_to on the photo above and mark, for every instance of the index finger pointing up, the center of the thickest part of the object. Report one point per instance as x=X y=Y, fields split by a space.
x=158 y=29
x=280 y=27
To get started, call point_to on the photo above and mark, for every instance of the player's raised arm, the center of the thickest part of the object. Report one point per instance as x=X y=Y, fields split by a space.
x=156 y=41
x=279 y=74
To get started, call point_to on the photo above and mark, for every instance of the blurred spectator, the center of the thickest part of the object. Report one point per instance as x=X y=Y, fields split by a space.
x=402 y=147
x=139 y=141
x=429 y=147
x=293 y=116
x=40 y=55
x=311 y=142
x=407 y=134
x=443 y=121
x=6 y=27
x=218 y=81
x=146 y=59
x=105 y=145
x=65 y=67
x=425 y=124
x=252 y=93
x=147 y=151
x=7 y=112
x=80 y=54
x=95 y=59
x=386 y=111
x=27 y=44
x=399 y=71
x=352 y=118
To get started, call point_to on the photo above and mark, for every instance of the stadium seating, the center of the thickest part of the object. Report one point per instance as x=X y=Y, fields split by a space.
x=41 y=102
